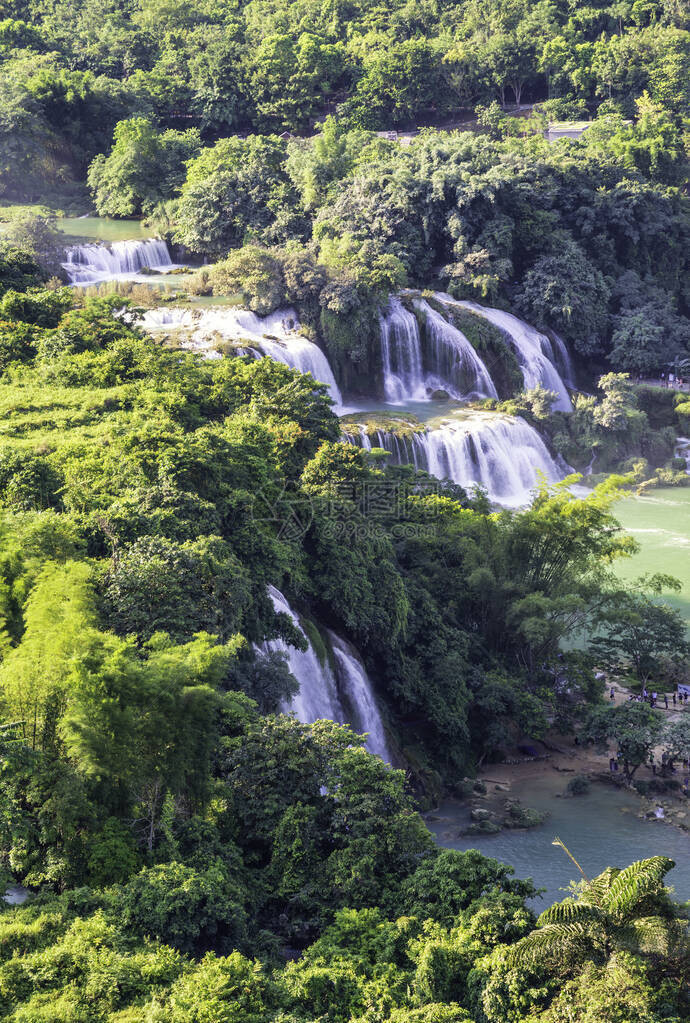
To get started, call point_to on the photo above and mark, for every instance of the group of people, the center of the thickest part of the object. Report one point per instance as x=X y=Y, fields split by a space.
x=668 y=767
x=671 y=380
x=678 y=699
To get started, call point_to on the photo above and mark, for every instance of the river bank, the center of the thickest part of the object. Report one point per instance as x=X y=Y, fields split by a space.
x=608 y=824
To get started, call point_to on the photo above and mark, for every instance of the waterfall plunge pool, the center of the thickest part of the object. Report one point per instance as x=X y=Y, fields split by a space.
x=601 y=829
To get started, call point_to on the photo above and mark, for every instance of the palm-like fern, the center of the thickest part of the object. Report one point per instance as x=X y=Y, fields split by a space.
x=620 y=909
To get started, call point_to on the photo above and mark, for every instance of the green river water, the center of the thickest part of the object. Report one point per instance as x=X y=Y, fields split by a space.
x=100 y=229
x=601 y=829
x=660 y=522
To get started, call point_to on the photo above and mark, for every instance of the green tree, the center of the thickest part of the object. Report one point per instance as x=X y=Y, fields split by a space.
x=637 y=631
x=287 y=78
x=567 y=292
x=253 y=273
x=189 y=909
x=316 y=165
x=445 y=885
x=625 y=988
x=634 y=727
x=158 y=585
x=677 y=739
x=34 y=676
x=37 y=236
x=397 y=84
x=236 y=188
x=143 y=168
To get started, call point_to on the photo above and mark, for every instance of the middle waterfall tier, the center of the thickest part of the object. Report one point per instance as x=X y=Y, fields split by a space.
x=537 y=355
x=425 y=349
x=418 y=361
x=502 y=454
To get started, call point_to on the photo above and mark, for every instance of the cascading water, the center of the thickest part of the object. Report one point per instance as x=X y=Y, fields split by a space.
x=405 y=449
x=358 y=695
x=276 y=336
x=317 y=696
x=534 y=350
x=169 y=318
x=345 y=696
x=401 y=355
x=503 y=454
x=443 y=359
x=453 y=363
x=95 y=263
x=562 y=360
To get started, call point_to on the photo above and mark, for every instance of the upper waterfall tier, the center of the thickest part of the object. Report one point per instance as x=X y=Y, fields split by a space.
x=416 y=363
x=94 y=263
x=503 y=454
x=535 y=351
x=276 y=335
x=341 y=693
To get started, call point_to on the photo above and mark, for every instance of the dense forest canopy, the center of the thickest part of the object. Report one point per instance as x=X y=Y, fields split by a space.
x=172 y=111
x=195 y=854
x=180 y=831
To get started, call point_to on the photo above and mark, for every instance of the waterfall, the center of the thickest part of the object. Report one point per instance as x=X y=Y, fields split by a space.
x=405 y=449
x=168 y=318
x=443 y=359
x=503 y=454
x=534 y=350
x=358 y=695
x=401 y=354
x=344 y=695
x=276 y=336
x=562 y=360
x=452 y=359
x=317 y=696
x=94 y=263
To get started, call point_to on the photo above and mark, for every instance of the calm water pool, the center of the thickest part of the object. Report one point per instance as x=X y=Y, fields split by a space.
x=660 y=522
x=601 y=829
x=102 y=229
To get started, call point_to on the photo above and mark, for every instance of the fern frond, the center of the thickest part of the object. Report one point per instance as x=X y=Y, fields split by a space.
x=653 y=935
x=637 y=881
x=569 y=911
x=597 y=890
x=562 y=942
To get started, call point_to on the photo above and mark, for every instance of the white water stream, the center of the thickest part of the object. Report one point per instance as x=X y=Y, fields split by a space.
x=343 y=693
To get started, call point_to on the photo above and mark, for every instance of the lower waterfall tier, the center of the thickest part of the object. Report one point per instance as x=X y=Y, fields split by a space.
x=337 y=688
